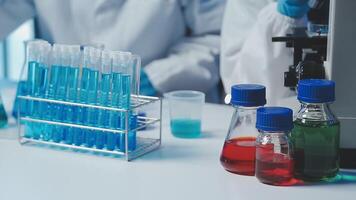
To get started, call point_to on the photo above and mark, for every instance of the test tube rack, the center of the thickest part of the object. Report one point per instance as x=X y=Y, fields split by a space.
x=146 y=142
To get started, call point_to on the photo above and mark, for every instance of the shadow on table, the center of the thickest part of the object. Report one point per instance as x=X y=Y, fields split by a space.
x=9 y=132
x=344 y=177
x=210 y=134
x=176 y=152
x=204 y=135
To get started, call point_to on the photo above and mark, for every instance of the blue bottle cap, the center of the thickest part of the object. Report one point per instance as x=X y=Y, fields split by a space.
x=274 y=119
x=248 y=95
x=316 y=91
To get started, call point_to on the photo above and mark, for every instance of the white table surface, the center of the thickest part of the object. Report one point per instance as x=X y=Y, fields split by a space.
x=181 y=169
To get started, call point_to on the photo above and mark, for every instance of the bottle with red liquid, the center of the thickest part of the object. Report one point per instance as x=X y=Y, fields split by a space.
x=238 y=154
x=274 y=163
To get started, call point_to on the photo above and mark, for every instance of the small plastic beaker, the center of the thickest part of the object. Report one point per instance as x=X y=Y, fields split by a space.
x=185 y=108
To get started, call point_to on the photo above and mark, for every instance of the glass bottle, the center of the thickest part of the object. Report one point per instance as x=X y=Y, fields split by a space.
x=316 y=132
x=274 y=162
x=238 y=153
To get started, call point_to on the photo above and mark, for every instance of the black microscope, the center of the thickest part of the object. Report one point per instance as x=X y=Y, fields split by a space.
x=309 y=46
x=309 y=53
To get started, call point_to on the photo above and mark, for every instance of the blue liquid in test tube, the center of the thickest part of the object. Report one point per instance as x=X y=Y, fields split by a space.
x=121 y=95
x=104 y=98
x=42 y=89
x=114 y=117
x=72 y=92
x=88 y=95
x=37 y=52
x=52 y=109
x=58 y=82
x=82 y=112
x=116 y=99
x=131 y=86
x=92 y=112
x=125 y=104
x=58 y=133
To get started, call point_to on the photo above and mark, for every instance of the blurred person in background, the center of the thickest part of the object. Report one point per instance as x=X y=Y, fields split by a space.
x=248 y=54
x=178 y=40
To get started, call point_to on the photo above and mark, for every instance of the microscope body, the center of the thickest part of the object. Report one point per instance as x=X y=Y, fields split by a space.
x=327 y=50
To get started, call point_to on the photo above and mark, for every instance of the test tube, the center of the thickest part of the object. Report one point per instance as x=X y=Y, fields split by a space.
x=33 y=51
x=88 y=95
x=104 y=96
x=78 y=137
x=36 y=81
x=132 y=69
x=58 y=87
x=119 y=97
x=37 y=54
x=43 y=72
x=95 y=63
x=123 y=63
x=24 y=86
x=23 y=82
x=50 y=111
x=72 y=90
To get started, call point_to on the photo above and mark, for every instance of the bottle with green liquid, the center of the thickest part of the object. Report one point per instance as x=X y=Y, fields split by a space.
x=316 y=132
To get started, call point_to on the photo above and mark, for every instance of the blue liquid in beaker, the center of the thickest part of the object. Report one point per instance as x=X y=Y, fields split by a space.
x=186 y=128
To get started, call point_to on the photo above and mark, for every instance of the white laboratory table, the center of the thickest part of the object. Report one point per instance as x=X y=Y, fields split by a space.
x=180 y=169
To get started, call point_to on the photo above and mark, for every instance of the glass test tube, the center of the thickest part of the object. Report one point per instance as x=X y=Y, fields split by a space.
x=37 y=55
x=44 y=69
x=116 y=97
x=87 y=94
x=72 y=90
x=92 y=94
x=104 y=97
x=22 y=85
x=25 y=86
x=133 y=70
x=57 y=88
x=123 y=73
x=78 y=137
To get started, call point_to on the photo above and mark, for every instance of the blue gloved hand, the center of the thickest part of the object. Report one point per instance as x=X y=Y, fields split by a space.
x=293 y=8
x=146 y=87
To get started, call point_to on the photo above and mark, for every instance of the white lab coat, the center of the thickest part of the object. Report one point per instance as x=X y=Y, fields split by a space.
x=154 y=29
x=248 y=54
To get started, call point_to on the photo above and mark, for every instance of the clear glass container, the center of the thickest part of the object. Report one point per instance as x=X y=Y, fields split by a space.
x=316 y=132
x=185 y=111
x=274 y=162
x=25 y=83
x=238 y=153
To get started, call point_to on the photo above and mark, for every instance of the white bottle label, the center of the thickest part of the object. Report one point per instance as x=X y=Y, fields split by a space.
x=276 y=143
